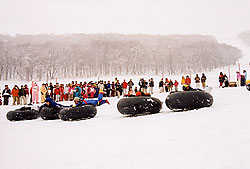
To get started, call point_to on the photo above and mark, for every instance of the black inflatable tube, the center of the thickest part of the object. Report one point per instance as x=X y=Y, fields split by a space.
x=25 y=113
x=248 y=87
x=139 y=105
x=48 y=113
x=188 y=100
x=78 y=113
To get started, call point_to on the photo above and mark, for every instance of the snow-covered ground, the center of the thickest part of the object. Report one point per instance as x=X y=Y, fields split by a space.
x=209 y=138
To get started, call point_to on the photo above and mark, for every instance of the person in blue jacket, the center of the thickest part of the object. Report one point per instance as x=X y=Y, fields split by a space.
x=77 y=93
x=50 y=103
x=100 y=101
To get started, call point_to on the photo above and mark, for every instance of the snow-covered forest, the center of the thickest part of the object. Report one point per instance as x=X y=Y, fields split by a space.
x=46 y=57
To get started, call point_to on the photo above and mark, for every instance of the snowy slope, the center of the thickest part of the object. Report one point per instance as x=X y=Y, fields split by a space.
x=216 y=137
x=209 y=138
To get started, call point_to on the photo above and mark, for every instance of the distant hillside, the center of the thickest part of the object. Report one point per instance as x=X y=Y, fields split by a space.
x=82 y=55
x=245 y=36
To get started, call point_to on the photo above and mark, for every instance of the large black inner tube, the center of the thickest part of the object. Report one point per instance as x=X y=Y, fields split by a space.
x=188 y=100
x=24 y=113
x=78 y=113
x=139 y=105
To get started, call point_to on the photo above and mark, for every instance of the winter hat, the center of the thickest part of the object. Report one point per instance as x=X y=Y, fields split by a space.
x=76 y=99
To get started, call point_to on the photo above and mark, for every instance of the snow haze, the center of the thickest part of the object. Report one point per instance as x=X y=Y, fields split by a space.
x=224 y=17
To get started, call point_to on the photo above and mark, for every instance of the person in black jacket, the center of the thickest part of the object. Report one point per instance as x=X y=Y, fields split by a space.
x=22 y=95
x=161 y=83
x=118 y=89
x=151 y=85
x=6 y=95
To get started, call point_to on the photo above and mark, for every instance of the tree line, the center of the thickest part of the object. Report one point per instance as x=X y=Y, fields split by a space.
x=48 y=56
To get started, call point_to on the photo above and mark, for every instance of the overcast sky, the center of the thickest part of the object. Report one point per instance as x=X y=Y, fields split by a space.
x=216 y=17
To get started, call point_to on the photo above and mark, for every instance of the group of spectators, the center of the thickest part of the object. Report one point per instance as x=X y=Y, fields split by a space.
x=170 y=86
x=241 y=79
x=67 y=92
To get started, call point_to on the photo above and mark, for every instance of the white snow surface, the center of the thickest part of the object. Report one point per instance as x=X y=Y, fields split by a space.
x=209 y=138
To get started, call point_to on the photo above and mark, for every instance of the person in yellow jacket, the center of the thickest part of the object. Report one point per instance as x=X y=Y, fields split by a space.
x=183 y=80
x=43 y=91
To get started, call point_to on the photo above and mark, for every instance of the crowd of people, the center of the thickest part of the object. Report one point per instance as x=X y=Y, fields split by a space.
x=24 y=95
x=241 y=79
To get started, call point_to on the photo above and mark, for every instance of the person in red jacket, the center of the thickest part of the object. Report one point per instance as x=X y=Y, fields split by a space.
x=61 y=90
x=188 y=81
x=14 y=94
x=124 y=87
x=176 y=85
x=57 y=93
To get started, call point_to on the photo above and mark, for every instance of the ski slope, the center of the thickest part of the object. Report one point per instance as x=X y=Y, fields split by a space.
x=209 y=138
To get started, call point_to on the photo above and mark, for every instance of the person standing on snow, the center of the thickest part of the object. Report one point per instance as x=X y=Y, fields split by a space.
x=245 y=76
x=176 y=85
x=166 y=85
x=151 y=86
x=101 y=86
x=183 y=80
x=118 y=89
x=22 y=95
x=197 y=81
x=92 y=91
x=43 y=91
x=15 y=96
x=203 y=80
x=170 y=84
x=26 y=93
x=35 y=93
x=188 y=80
x=161 y=83
x=6 y=95
x=238 y=78
x=108 y=89
x=226 y=82
x=221 y=79
x=130 y=84
x=124 y=87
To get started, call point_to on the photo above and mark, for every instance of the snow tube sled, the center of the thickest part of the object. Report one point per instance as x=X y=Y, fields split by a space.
x=24 y=113
x=50 y=113
x=139 y=105
x=248 y=87
x=189 y=100
x=78 y=113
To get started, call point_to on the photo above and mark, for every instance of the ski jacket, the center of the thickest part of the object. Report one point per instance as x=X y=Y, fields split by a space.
x=197 y=79
x=151 y=84
x=203 y=79
x=77 y=94
x=183 y=81
x=238 y=76
x=14 y=92
x=130 y=84
x=176 y=84
x=43 y=90
x=61 y=89
x=26 y=91
x=108 y=86
x=161 y=84
x=57 y=91
x=124 y=85
x=188 y=81
x=6 y=92
x=52 y=103
x=21 y=92
x=221 y=78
